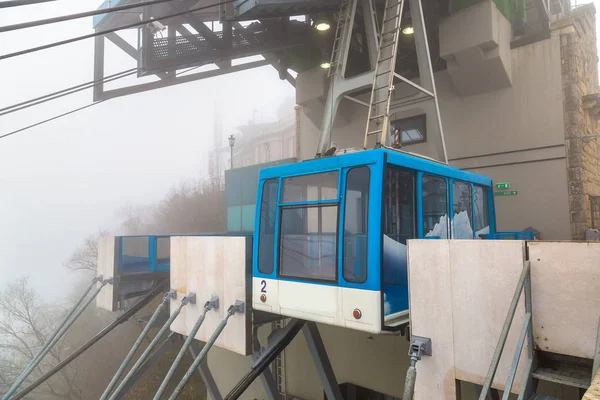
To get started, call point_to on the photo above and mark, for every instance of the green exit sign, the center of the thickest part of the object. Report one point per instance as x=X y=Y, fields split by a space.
x=503 y=185
x=506 y=193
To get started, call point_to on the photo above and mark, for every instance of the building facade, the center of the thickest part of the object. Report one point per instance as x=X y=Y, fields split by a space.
x=259 y=143
x=520 y=113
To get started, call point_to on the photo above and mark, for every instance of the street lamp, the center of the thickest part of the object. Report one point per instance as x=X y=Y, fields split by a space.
x=231 y=144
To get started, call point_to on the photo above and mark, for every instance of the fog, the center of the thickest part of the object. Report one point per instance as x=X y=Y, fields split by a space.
x=64 y=179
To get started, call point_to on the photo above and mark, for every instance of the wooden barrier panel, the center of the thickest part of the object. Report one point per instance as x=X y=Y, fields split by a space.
x=566 y=296
x=213 y=266
x=107 y=266
x=460 y=292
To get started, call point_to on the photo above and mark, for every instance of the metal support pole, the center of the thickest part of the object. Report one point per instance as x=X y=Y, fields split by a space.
x=61 y=324
x=135 y=347
x=419 y=347
x=207 y=376
x=65 y=325
x=426 y=68
x=596 y=366
x=268 y=381
x=487 y=384
x=209 y=305
x=321 y=360
x=278 y=341
x=141 y=303
x=237 y=307
x=151 y=346
x=140 y=372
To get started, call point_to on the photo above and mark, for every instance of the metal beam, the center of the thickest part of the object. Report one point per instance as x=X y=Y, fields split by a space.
x=426 y=70
x=319 y=355
x=182 y=79
x=278 y=341
x=206 y=374
x=270 y=57
x=129 y=49
x=140 y=372
x=268 y=381
x=195 y=41
x=198 y=25
x=98 y=67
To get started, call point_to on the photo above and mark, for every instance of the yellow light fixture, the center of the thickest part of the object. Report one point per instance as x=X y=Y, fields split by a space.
x=409 y=30
x=323 y=26
x=325 y=65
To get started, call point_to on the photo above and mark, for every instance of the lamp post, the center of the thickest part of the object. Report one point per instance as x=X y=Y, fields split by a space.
x=231 y=144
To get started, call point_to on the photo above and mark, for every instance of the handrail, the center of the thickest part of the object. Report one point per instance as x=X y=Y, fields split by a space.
x=524 y=284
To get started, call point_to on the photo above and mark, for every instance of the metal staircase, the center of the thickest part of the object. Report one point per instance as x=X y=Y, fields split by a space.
x=556 y=368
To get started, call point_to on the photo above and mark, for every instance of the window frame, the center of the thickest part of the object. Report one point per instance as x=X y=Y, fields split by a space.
x=366 y=223
x=486 y=204
x=415 y=234
x=281 y=206
x=414 y=174
x=448 y=186
x=282 y=203
x=421 y=117
x=275 y=224
x=451 y=183
x=336 y=245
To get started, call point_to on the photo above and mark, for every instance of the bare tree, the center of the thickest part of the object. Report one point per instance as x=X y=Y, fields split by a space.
x=25 y=325
x=85 y=257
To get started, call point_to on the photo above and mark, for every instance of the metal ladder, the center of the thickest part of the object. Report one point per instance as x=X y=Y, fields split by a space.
x=383 y=78
x=344 y=18
x=280 y=374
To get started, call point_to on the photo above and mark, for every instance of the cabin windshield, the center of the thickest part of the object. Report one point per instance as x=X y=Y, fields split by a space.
x=308 y=227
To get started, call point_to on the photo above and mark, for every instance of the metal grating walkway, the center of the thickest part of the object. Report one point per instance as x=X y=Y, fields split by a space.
x=571 y=376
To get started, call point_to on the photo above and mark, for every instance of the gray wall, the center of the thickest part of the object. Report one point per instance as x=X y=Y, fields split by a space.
x=514 y=134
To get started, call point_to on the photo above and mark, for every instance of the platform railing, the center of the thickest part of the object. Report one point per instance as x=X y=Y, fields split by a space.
x=526 y=333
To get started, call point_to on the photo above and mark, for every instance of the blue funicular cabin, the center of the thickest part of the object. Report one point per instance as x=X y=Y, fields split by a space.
x=331 y=233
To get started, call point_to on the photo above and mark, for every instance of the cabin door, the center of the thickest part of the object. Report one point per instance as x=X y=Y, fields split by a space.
x=398 y=226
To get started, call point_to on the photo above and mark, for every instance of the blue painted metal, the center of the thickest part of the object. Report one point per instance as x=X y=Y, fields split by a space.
x=97 y=19
x=396 y=291
x=509 y=236
x=250 y=9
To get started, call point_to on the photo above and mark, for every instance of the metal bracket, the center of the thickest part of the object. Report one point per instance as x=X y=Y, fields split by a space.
x=172 y=294
x=189 y=298
x=238 y=307
x=419 y=346
x=212 y=303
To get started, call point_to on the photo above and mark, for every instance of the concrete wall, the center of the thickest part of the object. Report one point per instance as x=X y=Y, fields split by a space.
x=514 y=134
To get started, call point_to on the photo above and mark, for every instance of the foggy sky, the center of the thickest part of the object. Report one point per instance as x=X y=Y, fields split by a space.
x=67 y=178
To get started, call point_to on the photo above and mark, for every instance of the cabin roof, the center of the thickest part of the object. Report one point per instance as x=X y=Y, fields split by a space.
x=374 y=156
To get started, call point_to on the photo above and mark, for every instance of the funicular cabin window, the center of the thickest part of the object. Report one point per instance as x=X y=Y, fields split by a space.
x=307 y=188
x=355 y=225
x=309 y=220
x=398 y=226
x=462 y=225
x=482 y=214
x=268 y=211
x=435 y=207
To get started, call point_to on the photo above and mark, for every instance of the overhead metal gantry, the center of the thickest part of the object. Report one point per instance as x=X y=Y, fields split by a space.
x=220 y=40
